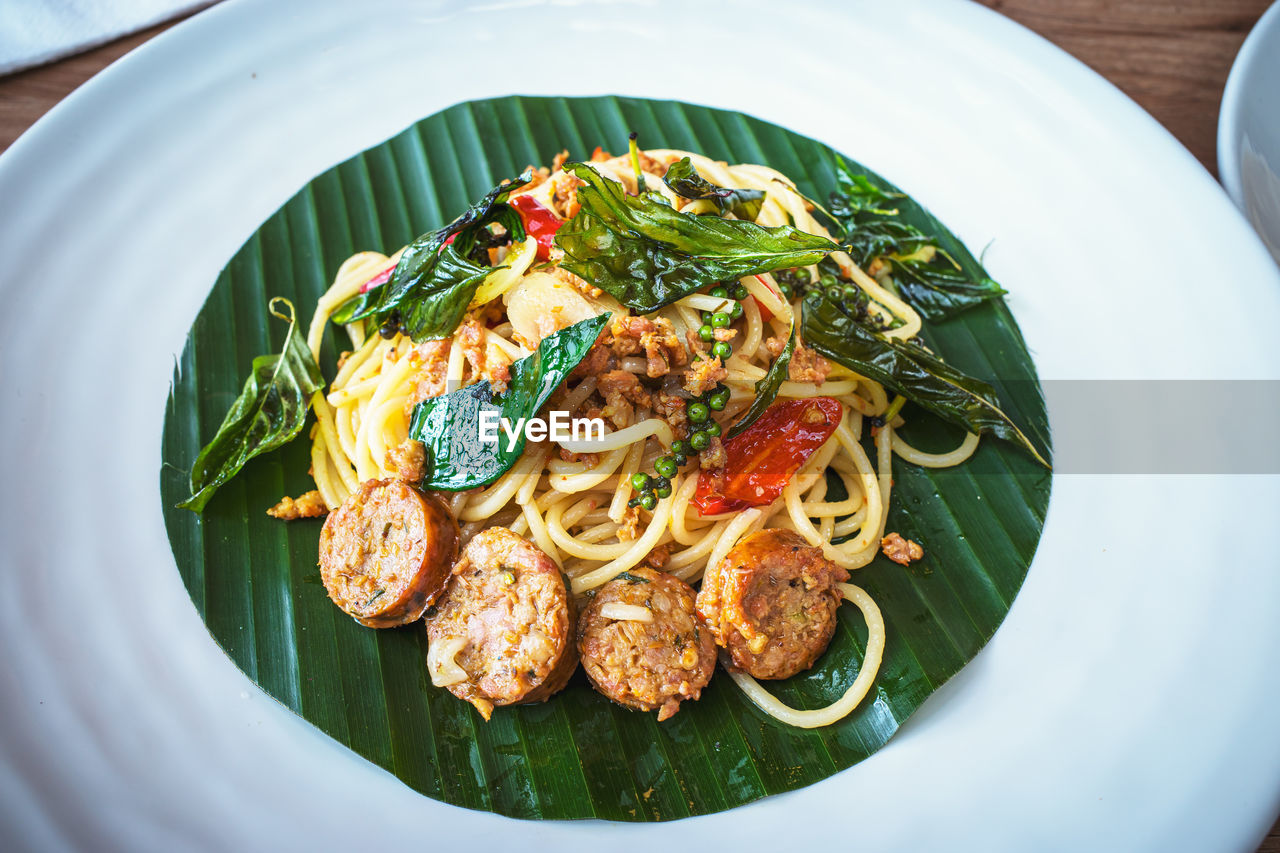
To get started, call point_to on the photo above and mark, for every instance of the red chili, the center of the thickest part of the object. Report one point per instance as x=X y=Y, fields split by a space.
x=764 y=456
x=539 y=222
x=378 y=280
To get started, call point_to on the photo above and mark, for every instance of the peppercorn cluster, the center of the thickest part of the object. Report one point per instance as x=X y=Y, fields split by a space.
x=800 y=282
x=832 y=284
x=711 y=321
x=702 y=427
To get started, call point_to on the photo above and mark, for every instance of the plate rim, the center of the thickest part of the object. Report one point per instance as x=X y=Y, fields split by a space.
x=1231 y=108
x=81 y=100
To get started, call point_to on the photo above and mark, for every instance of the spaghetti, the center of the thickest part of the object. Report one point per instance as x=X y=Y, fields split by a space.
x=571 y=498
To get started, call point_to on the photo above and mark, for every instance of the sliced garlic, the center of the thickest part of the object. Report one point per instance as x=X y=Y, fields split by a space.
x=440 y=661
x=626 y=612
x=541 y=304
x=506 y=276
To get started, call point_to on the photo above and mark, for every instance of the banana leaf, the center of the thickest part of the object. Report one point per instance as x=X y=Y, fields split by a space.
x=255 y=583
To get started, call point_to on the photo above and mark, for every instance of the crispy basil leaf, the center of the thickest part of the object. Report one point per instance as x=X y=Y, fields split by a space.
x=645 y=254
x=269 y=412
x=449 y=425
x=442 y=303
x=684 y=180
x=927 y=275
x=937 y=286
x=879 y=237
x=433 y=282
x=908 y=369
x=361 y=306
x=767 y=387
x=856 y=193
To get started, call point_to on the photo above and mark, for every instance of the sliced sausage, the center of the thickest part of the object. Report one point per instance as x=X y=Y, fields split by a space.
x=771 y=603
x=642 y=644
x=502 y=632
x=385 y=554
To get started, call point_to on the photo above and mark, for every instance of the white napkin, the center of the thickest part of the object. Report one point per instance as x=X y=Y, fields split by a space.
x=33 y=32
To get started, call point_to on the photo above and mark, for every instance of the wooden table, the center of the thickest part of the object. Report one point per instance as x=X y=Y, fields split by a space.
x=1170 y=57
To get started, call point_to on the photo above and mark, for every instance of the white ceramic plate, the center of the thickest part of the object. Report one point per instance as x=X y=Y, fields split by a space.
x=1249 y=129
x=125 y=727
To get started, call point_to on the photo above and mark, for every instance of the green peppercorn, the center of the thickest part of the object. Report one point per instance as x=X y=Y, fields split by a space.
x=678 y=447
x=663 y=491
x=827 y=280
x=665 y=466
x=786 y=288
x=681 y=459
x=850 y=291
x=735 y=310
x=649 y=500
x=712 y=429
x=720 y=292
x=721 y=350
x=718 y=399
x=698 y=413
x=639 y=481
x=720 y=320
x=706 y=333
x=699 y=441
x=834 y=292
x=739 y=291
x=660 y=483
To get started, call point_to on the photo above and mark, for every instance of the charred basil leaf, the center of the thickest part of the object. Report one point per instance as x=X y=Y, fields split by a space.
x=435 y=307
x=269 y=412
x=684 y=180
x=927 y=274
x=909 y=369
x=449 y=425
x=646 y=254
x=439 y=272
x=767 y=387
x=856 y=193
x=359 y=307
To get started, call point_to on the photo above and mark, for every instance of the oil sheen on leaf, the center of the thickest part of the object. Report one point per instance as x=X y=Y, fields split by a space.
x=646 y=254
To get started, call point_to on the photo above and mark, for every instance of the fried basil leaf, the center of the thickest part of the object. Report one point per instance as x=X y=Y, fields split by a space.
x=908 y=369
x=684 y=181
x=269 y=412
x=437 y=305
x=434 y=280
x=359 y=307
x=856 y=193
x=927 y=275
x=450 y=425
x=646 y=254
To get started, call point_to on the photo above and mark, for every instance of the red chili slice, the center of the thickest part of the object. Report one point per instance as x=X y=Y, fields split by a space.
x=539 y=222
x=764 y=456
x=378 y=280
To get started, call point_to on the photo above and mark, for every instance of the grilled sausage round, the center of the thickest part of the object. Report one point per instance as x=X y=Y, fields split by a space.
x=502 y=632
x=385 y=553
x=771 y=603
x=642 y=644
